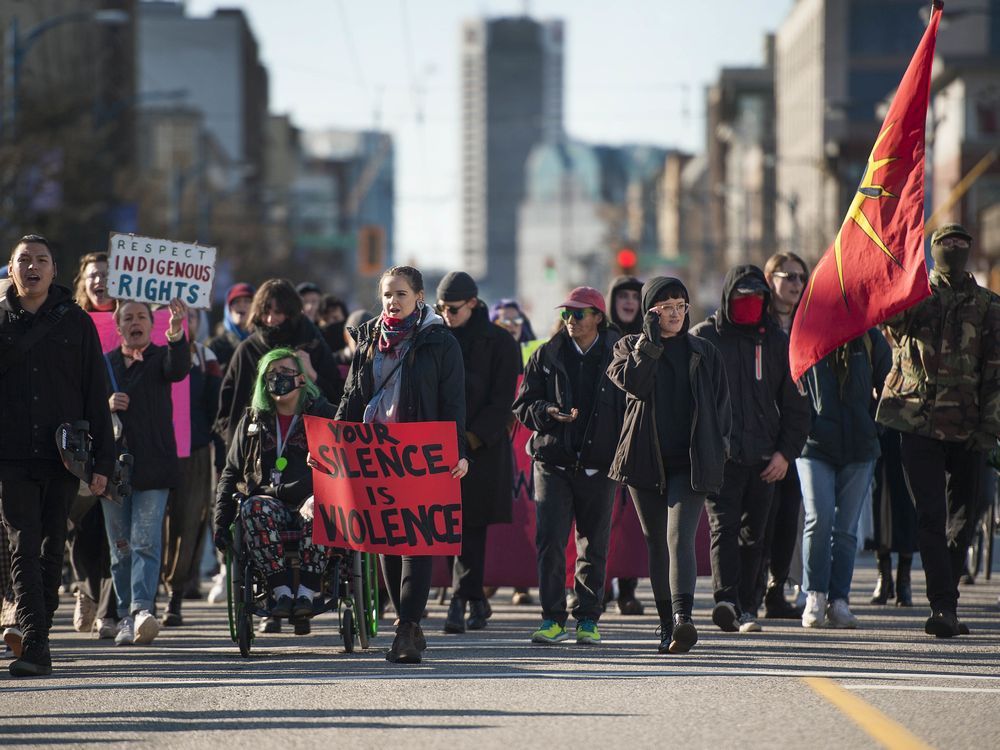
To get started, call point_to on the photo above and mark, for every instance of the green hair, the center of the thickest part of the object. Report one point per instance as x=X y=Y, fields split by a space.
x=261 y=400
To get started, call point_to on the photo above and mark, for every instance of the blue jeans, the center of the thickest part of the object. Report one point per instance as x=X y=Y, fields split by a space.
x=135 y=535
x=833 y=497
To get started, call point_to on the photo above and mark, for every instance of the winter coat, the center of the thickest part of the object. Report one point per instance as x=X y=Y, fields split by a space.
x=252 y=456
x=945 y=377
x=492 y=363
x=770 y=413
x=237 y=384
x=638 y=461
x=62 y=378
x=223 y=346
x=432 y=388
x=148 y=422
x=546 y=383
x=843 y=424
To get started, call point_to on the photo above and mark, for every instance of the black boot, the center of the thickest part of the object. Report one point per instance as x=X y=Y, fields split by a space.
x=685 y=635
x=173 y=617
x=884 y=589
x=35 y=661
x=904 y=592
x=666 y=613
x=455 y=621
x=777 y=607
x=404 y=648
x=479 y=613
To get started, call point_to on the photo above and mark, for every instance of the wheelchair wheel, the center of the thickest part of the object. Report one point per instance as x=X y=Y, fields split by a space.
x=370 y=588
x=347 y=628
x=244 y=611
x=360 y=594
x=234 y=582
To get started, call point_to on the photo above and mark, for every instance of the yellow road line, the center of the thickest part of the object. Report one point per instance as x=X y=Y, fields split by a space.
x=875 y=724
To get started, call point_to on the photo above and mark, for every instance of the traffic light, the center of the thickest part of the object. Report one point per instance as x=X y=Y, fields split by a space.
x=627 y=260
x=371 y=250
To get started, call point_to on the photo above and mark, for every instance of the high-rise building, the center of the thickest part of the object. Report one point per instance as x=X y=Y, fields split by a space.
x=836 y=60
x=512 y=81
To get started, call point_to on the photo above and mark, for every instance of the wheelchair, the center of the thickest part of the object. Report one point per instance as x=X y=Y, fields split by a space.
x=349 y=586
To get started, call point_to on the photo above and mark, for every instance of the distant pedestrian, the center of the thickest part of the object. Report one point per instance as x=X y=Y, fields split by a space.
x=492 y=364
x=235 y=324
x=943 y=395
x=311 y=296
x=673 y=446
x=332 y=320
x=507 y=314
x=407 y=368
x=51 y=371
x=576 y=414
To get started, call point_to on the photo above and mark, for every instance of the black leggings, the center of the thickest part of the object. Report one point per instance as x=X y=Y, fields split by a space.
x=408 y=580
x=669 y=523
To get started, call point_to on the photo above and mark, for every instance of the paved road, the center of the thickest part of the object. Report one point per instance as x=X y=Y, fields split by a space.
x=785 y=687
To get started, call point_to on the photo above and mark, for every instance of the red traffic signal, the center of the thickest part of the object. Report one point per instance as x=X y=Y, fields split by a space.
x=627 y=259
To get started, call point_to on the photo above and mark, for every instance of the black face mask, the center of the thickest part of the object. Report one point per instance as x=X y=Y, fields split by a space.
x=278 y=334
x=951 y=261
x=280 y=384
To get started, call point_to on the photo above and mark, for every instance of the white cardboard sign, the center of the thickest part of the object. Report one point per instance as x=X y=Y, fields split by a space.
x=157 y=271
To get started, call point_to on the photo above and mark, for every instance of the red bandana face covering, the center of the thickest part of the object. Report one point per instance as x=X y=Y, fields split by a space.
x=746 y=311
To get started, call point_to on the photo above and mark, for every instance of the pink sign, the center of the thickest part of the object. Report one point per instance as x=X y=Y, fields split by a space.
x=181 y=392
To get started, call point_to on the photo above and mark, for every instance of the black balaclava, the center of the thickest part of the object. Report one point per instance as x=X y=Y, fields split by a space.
x=950 y=261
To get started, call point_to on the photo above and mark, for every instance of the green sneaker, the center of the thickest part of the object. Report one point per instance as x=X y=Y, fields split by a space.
x=586 y=632
x=550 y=632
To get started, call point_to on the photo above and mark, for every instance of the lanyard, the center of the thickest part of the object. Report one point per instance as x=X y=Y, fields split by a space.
x=283 y=439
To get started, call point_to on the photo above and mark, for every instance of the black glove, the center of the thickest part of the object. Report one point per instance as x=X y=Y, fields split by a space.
x=651 y=328
x=223 y=539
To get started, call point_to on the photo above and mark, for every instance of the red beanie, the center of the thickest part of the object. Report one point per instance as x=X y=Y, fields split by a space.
x=239 y=290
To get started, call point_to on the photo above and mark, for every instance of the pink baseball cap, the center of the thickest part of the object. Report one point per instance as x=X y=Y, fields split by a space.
x=583 y=297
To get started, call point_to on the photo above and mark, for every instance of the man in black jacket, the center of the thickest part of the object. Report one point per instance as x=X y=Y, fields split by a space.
x=51 y=371
x=492 y=363
x=770 y=424
x=576 y=413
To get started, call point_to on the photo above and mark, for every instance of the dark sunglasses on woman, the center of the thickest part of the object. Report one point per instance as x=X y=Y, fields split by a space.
x=575 y=314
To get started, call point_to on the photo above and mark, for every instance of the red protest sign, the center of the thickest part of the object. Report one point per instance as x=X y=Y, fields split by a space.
x=386 y=488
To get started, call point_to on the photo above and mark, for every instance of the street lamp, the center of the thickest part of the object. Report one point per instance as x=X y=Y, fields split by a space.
x=16 y=47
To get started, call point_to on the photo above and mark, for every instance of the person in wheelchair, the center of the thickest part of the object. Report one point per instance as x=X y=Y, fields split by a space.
x=267 y=466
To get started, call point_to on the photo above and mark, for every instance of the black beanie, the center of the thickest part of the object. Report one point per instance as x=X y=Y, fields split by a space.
x=457 y=286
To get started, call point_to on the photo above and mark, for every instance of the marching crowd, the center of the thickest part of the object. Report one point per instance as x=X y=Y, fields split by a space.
x=627 y=392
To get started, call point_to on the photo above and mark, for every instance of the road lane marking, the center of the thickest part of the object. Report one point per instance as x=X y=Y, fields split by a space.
x=874 y=723
x=924 y=688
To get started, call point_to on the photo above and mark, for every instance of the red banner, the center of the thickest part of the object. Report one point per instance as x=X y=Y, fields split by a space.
x=386 y=488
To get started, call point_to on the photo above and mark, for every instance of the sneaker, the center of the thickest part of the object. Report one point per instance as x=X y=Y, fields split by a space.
x=725 y=617
x=814 y=615
x=838 y=615
x=105 y=628
x=34 y=662
x=147 y=627
x=587 y=632
x=217 y=593
x=126 y=632
x=14 y=639
x=631 y=606
x=748 y=623
x=84 y=613
x=550 y=632
x=521 y=597
x=269 y=625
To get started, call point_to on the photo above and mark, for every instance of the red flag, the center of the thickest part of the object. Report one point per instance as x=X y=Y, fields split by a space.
x=875 y=267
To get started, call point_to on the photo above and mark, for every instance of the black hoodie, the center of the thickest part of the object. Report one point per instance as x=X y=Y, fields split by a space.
x=620 y=284
x=770 y=413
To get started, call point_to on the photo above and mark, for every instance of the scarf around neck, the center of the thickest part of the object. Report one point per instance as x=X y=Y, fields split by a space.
x=394 y=330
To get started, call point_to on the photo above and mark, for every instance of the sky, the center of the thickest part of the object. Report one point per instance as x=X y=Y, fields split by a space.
x=635 y=72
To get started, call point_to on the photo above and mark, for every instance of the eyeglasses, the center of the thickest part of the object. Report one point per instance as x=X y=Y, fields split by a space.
x=959 y=243
x=678 y=307
x=440 y=307
x=576 y=314
x=510 y=322
x=800 y=277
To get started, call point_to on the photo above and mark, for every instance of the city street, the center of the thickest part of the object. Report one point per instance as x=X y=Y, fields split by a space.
x=886 y=683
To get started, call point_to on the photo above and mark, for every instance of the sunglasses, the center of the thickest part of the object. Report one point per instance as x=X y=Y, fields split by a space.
x=576 y=314
x=678 y=307
x=510 y=322
x=800 y=277
x=959 y=243
x=439 y=308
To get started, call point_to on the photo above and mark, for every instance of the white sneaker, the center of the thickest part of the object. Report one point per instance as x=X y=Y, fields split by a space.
x=814 y=615
x=126 y=632
x=748 y=623
x=838 y=615
x=800 y=597
x=105 y=628
x=84 y=613
x=14 y=639
x=147 y=627
x=218 y=591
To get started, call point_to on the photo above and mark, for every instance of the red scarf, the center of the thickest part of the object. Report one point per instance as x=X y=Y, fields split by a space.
x=393 y=330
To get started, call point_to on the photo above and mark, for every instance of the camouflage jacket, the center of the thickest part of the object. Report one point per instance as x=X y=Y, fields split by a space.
x=945 y=377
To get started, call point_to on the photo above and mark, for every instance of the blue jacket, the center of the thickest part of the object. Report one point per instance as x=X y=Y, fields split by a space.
x=843 y=424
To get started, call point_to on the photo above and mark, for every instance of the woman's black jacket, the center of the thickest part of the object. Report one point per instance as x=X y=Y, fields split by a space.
x=433 y=379
x=638 y=460
x=252 y=455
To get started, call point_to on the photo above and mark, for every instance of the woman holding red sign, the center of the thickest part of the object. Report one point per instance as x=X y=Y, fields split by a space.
x=267 y=463
x=407 y=368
